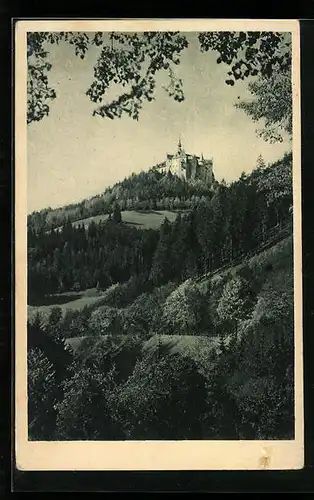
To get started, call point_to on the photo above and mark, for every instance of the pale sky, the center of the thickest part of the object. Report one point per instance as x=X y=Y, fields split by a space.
x=73 y=155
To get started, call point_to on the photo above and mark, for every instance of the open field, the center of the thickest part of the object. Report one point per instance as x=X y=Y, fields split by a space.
x=173 y=344
x=70 y=300
x=178 y=343
x=151 y=219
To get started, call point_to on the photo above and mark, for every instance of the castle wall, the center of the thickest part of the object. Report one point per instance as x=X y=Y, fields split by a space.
x=188 y=167
x=176 y=166
x=194 y=168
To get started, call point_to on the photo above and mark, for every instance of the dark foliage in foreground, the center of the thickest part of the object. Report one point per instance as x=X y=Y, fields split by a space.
x=115 y=389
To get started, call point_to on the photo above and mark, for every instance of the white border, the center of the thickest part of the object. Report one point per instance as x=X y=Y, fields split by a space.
x=147 y=455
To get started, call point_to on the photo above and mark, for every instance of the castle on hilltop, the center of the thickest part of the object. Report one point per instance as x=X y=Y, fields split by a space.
x=188 y=166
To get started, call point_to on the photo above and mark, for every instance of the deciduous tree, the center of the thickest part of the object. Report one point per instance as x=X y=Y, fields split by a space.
x=41 y=392
x=131 y=61
x=163 y=399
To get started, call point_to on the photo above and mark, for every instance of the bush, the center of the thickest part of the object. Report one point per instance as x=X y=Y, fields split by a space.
x=41 y=389
x=107 y=351
x=105 y=320
x=164 y=398
x=86 y=409
x=186 y=310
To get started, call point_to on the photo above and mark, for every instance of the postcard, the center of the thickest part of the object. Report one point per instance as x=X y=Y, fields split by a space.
x=158 y=246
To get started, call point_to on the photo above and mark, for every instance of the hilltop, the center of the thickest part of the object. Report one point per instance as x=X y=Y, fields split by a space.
x=146 y=198
x=151 y=191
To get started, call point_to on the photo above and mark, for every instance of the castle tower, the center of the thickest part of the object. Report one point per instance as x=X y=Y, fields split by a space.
x=180 y=148
x=179 y=160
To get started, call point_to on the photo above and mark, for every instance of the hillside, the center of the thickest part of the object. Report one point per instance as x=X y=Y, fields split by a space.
x=152 y=192
x=150 y=219
x=73 y=301
x=271 y=269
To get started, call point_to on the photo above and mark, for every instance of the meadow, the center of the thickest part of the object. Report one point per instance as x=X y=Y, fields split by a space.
x=150 y=219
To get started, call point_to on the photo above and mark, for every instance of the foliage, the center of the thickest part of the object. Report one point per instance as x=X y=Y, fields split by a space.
x=85 y=411
x=130 y=62
x=272 y=102
x=116 y=216
x=276 y=183
x=144 y=316
x=75 y=322
x=260 y=162
x=258 y=369
x=145 y=191
x=267 y=56
x=163 y=399
x=123 y=294
x=105 y=320
x=50 y=341
x=153 y=190
x=103 y=254
x=106 y=351
x=161 y=265
x=49 y=361
x=233 y=389
x=186 y=310
x=249 y=53
x=41 y=389
x=127 y=60
x=39 y=93
x=196 y=275
x=236 y=302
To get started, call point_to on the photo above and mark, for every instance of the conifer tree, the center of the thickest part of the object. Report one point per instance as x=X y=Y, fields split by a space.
x=116 y=215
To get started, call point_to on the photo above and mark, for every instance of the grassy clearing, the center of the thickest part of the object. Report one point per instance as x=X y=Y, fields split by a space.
x=189 y=345
x=151 y=219
x=86 y=298
x=183 y=344
x=74 y=342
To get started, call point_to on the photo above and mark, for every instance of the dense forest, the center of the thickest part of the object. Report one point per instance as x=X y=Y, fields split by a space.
x=198 y=278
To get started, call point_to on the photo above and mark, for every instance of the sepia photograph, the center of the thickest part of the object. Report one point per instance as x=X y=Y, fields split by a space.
x=158 y=245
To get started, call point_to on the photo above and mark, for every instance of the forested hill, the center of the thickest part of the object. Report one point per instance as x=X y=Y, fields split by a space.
x=230 y=223
x=151 y=190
